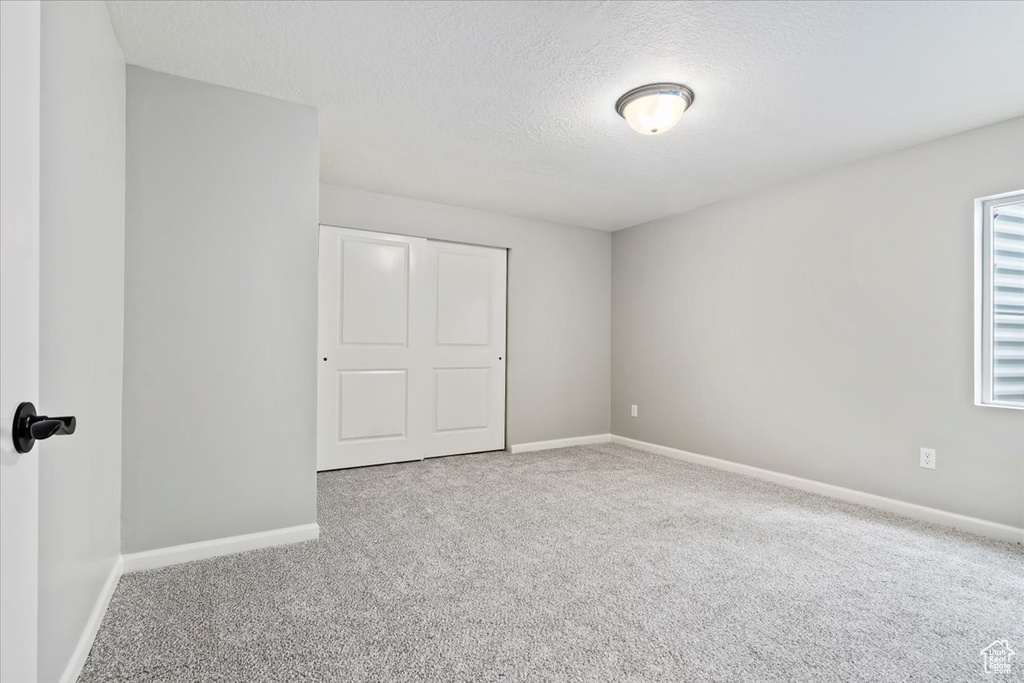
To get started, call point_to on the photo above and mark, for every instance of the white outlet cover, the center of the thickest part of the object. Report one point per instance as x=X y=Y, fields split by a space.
x=633 y=410
x=928 y=458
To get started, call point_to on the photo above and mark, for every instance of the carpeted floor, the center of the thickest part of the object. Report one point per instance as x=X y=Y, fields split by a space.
x=597 y=563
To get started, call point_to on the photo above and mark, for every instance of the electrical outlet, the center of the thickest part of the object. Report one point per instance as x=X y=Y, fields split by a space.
x=928 y=458
x=632 y=410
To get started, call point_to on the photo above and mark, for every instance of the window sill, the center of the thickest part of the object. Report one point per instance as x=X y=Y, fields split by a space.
x=996 y=405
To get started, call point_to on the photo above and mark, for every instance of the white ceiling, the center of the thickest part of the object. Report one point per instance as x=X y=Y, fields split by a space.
x=510 y=106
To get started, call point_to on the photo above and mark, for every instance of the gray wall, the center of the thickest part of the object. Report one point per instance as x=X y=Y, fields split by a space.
x=82 y=157
x=220 y=313
x=558 y=304
x=824 y=328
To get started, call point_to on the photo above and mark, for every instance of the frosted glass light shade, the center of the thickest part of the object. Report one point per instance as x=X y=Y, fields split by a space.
x=653 y=109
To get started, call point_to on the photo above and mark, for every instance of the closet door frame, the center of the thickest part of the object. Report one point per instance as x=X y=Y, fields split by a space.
x=426 y=433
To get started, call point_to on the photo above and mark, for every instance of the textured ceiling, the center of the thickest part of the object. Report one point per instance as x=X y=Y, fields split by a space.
x=509 y=106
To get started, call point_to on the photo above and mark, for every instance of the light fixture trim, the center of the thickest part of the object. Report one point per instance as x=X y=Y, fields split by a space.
x=679 y=90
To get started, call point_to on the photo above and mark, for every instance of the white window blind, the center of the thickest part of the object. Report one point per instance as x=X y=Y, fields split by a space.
x=1002 y=300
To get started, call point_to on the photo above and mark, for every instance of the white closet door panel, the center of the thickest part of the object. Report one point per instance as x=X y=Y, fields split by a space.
x=467 y=347
x=371 y=363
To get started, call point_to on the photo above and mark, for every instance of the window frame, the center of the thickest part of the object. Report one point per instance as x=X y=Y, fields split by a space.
x=984 y=276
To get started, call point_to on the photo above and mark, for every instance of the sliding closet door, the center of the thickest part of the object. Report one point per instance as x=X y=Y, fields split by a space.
x=466 y=343
x=411 y=348
x=371 y=380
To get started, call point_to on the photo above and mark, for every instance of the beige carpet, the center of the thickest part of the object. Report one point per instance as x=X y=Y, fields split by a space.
x=596 y=563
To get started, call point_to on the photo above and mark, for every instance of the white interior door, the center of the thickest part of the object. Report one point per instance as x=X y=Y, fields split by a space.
x=466 y=347
x=412 y=348
x=371 y=349
x=19 y=335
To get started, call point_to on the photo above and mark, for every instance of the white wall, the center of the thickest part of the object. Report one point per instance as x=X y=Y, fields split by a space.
x=559 y=291
x=81 y=318
x=220 y=313
x=824 y=328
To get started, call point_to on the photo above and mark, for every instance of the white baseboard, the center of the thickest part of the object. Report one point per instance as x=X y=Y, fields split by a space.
x=1002 y=532
x=189 y=552
x=559 y=443
x=92 y=626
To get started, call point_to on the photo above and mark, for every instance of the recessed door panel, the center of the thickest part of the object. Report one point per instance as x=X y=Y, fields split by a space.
x=464 y=284
x=372 y=404
x=463 y=398
x=374 y=292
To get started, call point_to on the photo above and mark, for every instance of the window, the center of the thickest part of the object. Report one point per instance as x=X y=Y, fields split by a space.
x=999 y=318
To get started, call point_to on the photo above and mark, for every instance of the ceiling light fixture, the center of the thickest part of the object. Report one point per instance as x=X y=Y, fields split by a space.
x=652 y=109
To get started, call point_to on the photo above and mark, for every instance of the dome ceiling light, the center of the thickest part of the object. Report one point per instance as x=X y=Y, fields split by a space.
x=652 y=109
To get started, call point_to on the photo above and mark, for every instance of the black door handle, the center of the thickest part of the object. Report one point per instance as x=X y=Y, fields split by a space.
x=28 y=427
